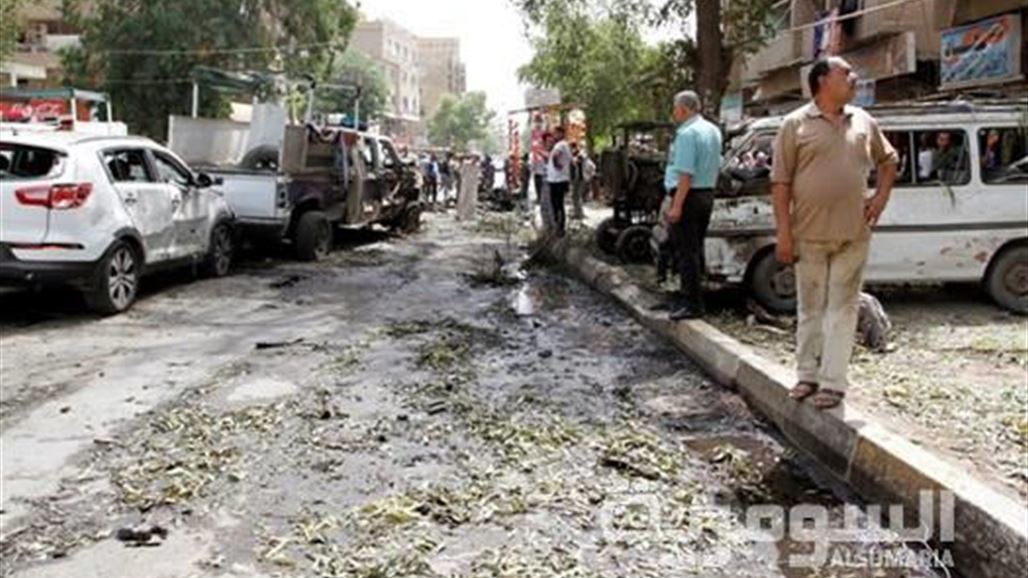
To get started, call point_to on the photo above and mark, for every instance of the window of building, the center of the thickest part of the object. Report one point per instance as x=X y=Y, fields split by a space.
x=1003 y=155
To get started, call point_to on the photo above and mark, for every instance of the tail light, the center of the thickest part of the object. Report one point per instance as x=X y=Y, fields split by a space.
x=58 y=197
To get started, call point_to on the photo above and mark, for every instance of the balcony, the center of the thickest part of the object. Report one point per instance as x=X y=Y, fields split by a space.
x=782 y=51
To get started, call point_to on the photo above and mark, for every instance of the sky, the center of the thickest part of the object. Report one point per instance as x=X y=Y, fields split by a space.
x=491 y=32
x=492 y=41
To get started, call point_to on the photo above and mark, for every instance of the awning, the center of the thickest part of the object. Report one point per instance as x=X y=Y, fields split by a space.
x=63 y=93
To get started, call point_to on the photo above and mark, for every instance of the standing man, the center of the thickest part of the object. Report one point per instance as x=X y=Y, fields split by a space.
x=558 y=177
x=823 y=155
x=690 y=176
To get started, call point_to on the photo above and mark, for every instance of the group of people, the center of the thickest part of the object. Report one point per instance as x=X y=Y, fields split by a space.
x=454 y=177
x=823 y=156
x=557 y=168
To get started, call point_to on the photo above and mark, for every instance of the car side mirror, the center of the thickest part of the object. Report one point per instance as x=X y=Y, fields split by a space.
x=203 y=180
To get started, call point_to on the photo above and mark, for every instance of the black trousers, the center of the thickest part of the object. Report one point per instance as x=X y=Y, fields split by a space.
x=557 y=193
x=688 y=236
x=539 y=182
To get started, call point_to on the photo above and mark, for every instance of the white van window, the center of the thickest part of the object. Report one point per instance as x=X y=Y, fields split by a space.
x=1003 y=155
x=128 y=166
x=900 y=140
x=942 y=157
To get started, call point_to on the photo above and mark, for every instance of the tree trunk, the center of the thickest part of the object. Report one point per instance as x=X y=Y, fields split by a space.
x=710 y=55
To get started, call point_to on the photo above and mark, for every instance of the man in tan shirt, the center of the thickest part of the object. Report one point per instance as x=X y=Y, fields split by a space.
x=823 y=155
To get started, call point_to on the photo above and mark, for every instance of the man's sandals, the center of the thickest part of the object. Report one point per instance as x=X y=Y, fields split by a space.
x=823 y=398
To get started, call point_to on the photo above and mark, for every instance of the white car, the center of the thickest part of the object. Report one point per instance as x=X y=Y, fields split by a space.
x=97 y=212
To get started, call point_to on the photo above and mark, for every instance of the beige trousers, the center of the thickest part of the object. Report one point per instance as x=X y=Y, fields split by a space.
x=828 y=279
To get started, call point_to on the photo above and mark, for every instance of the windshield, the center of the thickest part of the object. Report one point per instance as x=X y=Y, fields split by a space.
x=24 y=162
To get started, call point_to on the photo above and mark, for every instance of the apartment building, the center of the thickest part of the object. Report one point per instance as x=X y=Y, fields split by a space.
x=36 y=62
x=901 y=49
x=396 y=49
x=442 y=72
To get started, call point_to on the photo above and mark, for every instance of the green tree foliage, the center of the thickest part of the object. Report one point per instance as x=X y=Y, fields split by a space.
x=567 y=31
x=459 y=122
x=10 y=26
x=595 y=56
x=724 y=31
x=355 y=69
x=142 y=52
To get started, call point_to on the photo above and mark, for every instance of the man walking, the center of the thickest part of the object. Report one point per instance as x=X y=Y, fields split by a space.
x=823 y=155
x=690 y=176
x=558 y=176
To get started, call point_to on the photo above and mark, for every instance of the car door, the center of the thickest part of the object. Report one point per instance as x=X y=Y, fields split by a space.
x=390 y=170
x=150 y=204
x=371 y=201
x=192 y=210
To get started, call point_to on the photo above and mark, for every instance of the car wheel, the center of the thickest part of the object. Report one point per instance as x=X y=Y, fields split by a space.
x=633 y=244
x=117 y=280
x=1007 y=279
x=607 y=234
x=773 y=284
x=221 y=251
x=313 y=237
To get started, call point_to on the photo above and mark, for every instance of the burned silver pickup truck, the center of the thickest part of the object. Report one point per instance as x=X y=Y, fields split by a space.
x=295 y=184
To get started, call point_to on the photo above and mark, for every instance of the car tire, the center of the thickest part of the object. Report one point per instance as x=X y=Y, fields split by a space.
x=313 y=237
x=116 y=282
x=607 y=234
x=221 y=251
x=1007 y=279
x=772 y=284
x=633 y=245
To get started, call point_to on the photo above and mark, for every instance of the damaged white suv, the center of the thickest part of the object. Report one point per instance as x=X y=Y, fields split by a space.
x=99 y=212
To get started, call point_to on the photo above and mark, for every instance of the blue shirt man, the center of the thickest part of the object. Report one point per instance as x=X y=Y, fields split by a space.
x=696 y=151
x=693 y=164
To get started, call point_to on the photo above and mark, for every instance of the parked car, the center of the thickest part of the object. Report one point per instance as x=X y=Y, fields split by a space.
x=99 y=212
x=294 y=183
x=958 y=211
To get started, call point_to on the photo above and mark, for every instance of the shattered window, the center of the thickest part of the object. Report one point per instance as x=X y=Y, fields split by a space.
x=1003 y=155
x=942 y=157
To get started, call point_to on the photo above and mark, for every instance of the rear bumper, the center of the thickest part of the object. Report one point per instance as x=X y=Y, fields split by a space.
x=21 y=272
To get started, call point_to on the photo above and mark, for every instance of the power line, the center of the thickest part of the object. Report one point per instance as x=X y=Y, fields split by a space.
x=151 y=81
x=201 y=51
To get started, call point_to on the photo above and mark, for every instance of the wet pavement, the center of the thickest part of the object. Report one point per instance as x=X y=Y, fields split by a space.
x=412 y=407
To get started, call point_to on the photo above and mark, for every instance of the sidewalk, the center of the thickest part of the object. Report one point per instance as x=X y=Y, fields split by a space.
x=885 y=461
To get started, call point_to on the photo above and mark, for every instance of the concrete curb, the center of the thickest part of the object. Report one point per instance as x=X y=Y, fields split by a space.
x=991 y=529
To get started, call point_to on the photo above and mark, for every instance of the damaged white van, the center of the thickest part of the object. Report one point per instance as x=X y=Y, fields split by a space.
x=958 y=212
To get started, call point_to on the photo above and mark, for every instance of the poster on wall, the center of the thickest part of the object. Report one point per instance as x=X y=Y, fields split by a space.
x=985 y=52
x=865 y=93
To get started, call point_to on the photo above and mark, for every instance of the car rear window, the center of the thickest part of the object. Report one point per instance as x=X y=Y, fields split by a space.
x=24 y=162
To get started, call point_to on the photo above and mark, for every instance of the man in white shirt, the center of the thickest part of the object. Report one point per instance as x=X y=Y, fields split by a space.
x=558 y=177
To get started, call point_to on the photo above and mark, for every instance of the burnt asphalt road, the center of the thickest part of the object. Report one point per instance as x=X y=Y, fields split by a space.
x=398 y=410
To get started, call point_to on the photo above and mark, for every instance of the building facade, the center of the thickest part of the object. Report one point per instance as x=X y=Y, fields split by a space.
x=442 y=72
x=36 y=62
x=396 y=49
x=901 y=49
